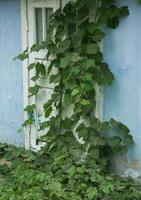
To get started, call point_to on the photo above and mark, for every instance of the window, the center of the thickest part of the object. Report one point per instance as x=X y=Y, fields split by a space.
x=42 y=16
x=36 y=15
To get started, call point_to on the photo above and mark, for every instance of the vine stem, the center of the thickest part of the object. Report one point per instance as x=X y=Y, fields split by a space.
x=93 y=16
x=61 y=89
x=93 y=12
x=60 y=2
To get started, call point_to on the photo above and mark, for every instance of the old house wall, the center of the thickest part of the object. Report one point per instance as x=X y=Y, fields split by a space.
x=11 y=87
x=122 y=101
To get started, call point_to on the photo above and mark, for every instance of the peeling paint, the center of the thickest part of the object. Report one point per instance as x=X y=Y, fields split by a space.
x=125 y=168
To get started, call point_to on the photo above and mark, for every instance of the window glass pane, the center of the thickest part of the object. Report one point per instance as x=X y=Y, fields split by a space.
x=49 y=12
x=39 y=25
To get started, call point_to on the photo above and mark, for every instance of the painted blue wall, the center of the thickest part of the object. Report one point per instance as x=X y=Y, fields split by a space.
x=122 y=51
x=11 y=86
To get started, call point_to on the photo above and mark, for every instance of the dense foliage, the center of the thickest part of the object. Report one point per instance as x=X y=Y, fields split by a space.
x=25 y=175
x=66 y=168
x=73 y=49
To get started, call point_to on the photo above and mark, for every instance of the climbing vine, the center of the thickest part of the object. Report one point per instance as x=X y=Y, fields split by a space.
x=79 y=146
x=73 y=50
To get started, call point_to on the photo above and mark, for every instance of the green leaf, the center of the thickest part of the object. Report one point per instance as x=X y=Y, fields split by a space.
x=55 y=78
x=50 y=66
x=28 y=122
x=38 y=195
x=22 y=56
x=63 y=46
x=114 y=141
x=34 y=90
x=36 y=48
x=107 y=74
x=88 y=77
x=35 y=78
x=92 y=49
x=90 y=63
x=66 y=123
x=40 y=68
x=124 y=11
x=87 y=87
x=48 y=112
x=48 y=104
x=65 y=61
x=71 y=172
x=98 y=35
x=77 y=38
x=107 y=187
x=113 y=12
x=75 y=92
x=113 y=22
x=92 y=27
x=30 y=108
x=85 y=102
x=96 y=177
x=31 y=66
x=91 y=193
x=56 y=187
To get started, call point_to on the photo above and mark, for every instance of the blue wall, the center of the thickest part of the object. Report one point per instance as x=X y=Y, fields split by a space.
x=11 y=87
x=122 y=51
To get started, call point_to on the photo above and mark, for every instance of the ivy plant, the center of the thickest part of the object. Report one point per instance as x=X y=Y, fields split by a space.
x=73 y=49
